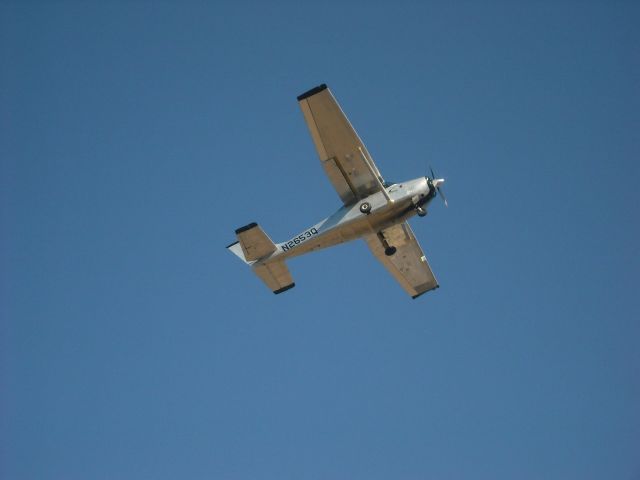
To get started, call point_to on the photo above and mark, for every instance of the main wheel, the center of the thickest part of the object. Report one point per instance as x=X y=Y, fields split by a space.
x=389 y=251
x=365 y=208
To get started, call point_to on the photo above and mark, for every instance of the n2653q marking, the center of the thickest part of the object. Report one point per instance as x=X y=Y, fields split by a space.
x=299 y=239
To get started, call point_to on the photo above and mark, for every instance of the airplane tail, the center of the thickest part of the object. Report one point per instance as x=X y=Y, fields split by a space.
x=254 y=244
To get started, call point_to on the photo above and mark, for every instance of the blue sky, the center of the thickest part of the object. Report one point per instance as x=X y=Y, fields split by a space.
x=135 y=137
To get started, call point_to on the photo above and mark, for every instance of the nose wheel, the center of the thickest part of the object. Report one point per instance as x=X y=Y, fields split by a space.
x=421 y=211
x=365 y=208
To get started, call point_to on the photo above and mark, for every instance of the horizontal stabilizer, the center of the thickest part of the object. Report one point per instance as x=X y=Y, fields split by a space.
x=254 y=242
x=275 y=275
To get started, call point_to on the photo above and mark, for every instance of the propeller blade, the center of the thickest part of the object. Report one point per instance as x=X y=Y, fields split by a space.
x=437 y=182
x=443 y=197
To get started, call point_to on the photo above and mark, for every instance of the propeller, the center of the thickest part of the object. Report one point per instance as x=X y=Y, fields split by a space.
x=436 y=183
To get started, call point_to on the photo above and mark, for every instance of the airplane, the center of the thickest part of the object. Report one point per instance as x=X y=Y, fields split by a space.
x=372 y=209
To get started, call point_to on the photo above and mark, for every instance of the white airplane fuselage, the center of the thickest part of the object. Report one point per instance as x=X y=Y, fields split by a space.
x=400 y=203
x=372 y=209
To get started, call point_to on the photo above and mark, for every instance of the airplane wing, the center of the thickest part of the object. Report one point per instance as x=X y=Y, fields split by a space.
x=344 y=157
x=408 y=265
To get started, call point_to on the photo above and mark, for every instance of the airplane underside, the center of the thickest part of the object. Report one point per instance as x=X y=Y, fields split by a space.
x=374 y=210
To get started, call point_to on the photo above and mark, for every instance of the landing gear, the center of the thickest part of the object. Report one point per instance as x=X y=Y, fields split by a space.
x=365 y=208
x=421 y=211
x=388 y=249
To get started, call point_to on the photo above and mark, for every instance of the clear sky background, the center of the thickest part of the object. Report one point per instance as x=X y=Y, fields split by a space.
x=135 y=137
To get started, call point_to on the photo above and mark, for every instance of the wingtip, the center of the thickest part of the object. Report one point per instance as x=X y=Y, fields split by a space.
x=246 y=227
x=284 y=289
x=312 y=92
x=426 y=291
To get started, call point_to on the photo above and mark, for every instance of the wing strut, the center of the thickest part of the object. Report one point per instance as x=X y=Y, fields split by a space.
x=374 y=175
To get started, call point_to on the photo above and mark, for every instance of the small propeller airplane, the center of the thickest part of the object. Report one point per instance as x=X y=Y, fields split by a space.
x=373 y=209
